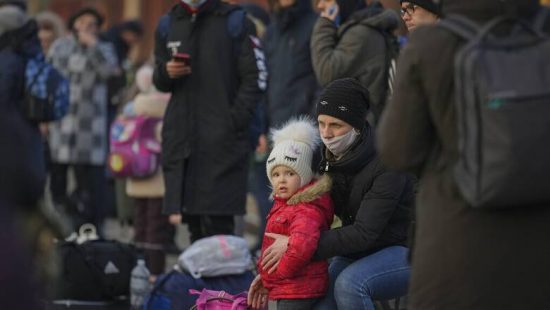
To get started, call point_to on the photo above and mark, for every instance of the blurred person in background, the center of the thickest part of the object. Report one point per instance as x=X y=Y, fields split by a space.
x=419 y=12
x=22 y=166
x=207 y=56
x=79 y=140
x=463 y=257
x=355 y=39
x=50 y=28
x=292 y=86
x=125 y=37
x=153 y=232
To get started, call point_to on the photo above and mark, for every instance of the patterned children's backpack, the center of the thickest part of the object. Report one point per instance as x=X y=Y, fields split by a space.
x=135 y=151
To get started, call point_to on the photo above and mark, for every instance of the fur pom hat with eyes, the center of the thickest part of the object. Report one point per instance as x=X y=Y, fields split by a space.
x=293 y=146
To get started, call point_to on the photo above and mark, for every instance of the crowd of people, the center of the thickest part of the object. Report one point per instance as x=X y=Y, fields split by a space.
x=338 y=116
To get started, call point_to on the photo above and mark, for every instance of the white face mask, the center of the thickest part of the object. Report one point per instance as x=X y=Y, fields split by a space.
x=340 y=144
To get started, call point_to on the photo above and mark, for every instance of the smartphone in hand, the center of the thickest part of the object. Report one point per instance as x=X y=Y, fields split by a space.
x=182 y=57
x=332 y=9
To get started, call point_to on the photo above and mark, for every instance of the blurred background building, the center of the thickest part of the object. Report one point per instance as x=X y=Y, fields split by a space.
x=115 y=11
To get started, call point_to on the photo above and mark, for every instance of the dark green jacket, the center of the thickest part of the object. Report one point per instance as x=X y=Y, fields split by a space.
x=356 y=49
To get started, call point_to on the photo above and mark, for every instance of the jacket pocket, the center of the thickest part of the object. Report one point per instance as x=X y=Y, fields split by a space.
x=279 y=224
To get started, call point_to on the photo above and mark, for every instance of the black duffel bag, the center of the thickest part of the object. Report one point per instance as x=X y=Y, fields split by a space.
x=95 y=270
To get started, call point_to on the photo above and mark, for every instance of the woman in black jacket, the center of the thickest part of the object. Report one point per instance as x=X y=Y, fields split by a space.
x=369 y=250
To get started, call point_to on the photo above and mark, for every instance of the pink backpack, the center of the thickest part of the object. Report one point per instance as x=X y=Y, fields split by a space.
x=135 y=151
x=219 y=300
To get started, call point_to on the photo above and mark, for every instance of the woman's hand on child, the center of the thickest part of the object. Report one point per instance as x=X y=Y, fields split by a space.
x=257 y=294
x=273 y=254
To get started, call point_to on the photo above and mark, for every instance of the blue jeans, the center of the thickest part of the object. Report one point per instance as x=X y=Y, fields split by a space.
x=354 y=284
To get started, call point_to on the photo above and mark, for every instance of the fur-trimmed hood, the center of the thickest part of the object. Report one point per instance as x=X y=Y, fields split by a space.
x=314 y=190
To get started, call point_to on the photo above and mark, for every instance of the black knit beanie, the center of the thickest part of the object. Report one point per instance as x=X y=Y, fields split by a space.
x=347 y=100
x=427 y=5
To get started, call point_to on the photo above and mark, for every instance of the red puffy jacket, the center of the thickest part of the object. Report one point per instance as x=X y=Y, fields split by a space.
x=302 y=217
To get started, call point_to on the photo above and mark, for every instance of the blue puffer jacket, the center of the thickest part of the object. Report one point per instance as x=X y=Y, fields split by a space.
x=22 y=169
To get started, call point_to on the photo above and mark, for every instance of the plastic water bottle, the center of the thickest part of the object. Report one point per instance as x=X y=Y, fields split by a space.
x=139 y=284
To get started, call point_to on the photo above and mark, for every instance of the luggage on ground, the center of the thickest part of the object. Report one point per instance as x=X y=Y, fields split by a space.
x=171 y=290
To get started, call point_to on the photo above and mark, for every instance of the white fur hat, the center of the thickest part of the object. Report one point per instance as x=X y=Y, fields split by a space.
x=293 y=146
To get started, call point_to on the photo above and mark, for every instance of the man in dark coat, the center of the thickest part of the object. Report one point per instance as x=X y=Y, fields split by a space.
x=463 y=258
x=214 y=95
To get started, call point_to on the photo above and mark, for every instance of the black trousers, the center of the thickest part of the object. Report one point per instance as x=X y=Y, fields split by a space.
x=87 y=203
x=201 y=226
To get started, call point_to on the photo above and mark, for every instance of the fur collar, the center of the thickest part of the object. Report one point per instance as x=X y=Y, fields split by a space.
x=321 y=186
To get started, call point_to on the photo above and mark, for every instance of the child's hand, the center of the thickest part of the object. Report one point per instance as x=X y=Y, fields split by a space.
x=273 y=254
x=257 y=294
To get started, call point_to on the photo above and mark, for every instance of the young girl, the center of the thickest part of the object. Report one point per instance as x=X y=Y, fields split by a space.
x=153 y=231
x=302 y=209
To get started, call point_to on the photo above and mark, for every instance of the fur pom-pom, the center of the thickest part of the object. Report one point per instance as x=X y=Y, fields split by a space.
x=302 y=129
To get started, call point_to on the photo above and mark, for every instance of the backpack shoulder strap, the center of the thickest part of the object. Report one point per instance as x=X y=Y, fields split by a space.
x=236 y=23
x=164 y=26
x=461 y=26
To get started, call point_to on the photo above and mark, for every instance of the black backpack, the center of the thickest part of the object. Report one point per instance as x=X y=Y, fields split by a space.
x=502 y=89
